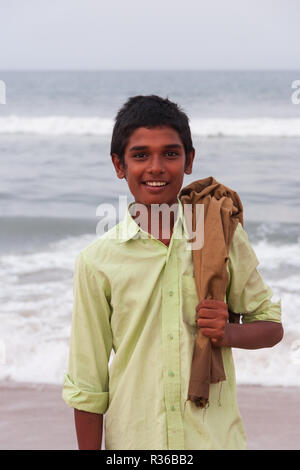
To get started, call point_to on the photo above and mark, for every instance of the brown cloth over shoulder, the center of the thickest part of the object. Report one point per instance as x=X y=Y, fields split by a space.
x=223 y=211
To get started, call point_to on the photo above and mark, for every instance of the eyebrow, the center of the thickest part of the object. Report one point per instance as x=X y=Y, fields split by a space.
x=145 y=147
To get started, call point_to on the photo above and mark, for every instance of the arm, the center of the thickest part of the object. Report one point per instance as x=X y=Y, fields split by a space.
x=86 y=384
x=246 y=293
x=212 y=318
x=255 y=335
x=88 y=429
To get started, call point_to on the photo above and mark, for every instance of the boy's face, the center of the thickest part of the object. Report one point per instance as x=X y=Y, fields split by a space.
x=152 y=156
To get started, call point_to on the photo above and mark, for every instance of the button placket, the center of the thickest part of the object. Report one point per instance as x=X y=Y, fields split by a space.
x=171 y=352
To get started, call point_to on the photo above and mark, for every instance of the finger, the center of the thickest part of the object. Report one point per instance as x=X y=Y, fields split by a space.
x=208 y=313
x=222 y=308
x=211 y=333
x=212 y=303
x=206 y=323
x=219 y=327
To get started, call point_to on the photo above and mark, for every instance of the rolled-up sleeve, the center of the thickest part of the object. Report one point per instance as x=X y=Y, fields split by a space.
x=86 y=382
x=247 y=293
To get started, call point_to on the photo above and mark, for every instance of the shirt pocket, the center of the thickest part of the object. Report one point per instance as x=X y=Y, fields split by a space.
x=189 y=300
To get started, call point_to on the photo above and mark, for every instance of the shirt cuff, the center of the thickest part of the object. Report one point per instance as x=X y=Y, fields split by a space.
x=272 y=313
x=94 y=402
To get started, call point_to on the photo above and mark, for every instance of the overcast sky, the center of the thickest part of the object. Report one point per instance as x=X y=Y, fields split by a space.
x=153 y=34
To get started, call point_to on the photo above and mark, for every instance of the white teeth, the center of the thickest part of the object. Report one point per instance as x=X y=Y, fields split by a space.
x=156 y=183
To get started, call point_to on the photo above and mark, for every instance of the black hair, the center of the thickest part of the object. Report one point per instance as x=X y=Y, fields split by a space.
x=149 y=111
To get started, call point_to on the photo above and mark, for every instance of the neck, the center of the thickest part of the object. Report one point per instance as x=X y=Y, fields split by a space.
x=158 y=221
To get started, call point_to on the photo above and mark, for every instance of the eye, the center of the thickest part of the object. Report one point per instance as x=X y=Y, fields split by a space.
x=139 y=155
x=174 y=154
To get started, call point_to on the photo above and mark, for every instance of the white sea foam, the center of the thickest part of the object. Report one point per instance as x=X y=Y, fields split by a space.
x=36 y=308
x=204 y=127
x=55 y=125
x=274 y=256
x=247 y=127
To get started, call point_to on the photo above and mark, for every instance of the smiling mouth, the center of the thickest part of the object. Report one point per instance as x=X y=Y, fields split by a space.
x=155 y=183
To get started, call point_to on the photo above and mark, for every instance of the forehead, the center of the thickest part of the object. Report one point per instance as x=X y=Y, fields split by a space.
x=152 y=137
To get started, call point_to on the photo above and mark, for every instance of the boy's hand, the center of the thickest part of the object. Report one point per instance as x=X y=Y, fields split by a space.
x=212 y=318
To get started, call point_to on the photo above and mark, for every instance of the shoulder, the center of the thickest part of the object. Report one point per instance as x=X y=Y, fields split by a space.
x=241 y=254
x=101 y=251
x=240 y=239
x=240 y=235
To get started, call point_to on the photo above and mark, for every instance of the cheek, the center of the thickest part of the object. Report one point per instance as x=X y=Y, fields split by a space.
x=178 y=176
x=178 y=170
x=133 y=175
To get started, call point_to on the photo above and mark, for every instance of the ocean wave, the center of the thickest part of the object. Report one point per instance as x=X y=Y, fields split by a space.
x=204 y=127
x=55 y=125
x=274 y=256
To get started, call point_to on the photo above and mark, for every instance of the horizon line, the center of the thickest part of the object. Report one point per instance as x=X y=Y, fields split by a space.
x=151 y=70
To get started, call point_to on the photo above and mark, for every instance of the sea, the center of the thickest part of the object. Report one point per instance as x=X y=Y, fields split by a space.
x=56 y=169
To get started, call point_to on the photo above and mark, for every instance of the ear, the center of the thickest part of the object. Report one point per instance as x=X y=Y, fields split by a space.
x=189 y=165
x=119 y=168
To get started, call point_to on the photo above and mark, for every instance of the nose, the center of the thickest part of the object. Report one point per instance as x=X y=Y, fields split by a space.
x=156 y=165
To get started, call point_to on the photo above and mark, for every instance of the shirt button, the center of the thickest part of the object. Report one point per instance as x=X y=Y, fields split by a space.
x=171 y=336
x=172 y=408
x=170 y=293
x=171 y=374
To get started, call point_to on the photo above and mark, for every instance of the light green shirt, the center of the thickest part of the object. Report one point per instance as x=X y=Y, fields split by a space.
x=137 y=296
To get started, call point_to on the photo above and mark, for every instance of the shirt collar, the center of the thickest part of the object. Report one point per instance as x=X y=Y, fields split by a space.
x=128 y=229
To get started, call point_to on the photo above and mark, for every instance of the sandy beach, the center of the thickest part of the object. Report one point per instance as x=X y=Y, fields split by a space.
x=36 y=417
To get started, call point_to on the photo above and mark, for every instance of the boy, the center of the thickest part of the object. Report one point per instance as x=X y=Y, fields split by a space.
x=136 y=293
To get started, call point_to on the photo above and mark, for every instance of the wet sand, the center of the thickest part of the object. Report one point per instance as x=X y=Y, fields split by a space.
x=36 y=417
